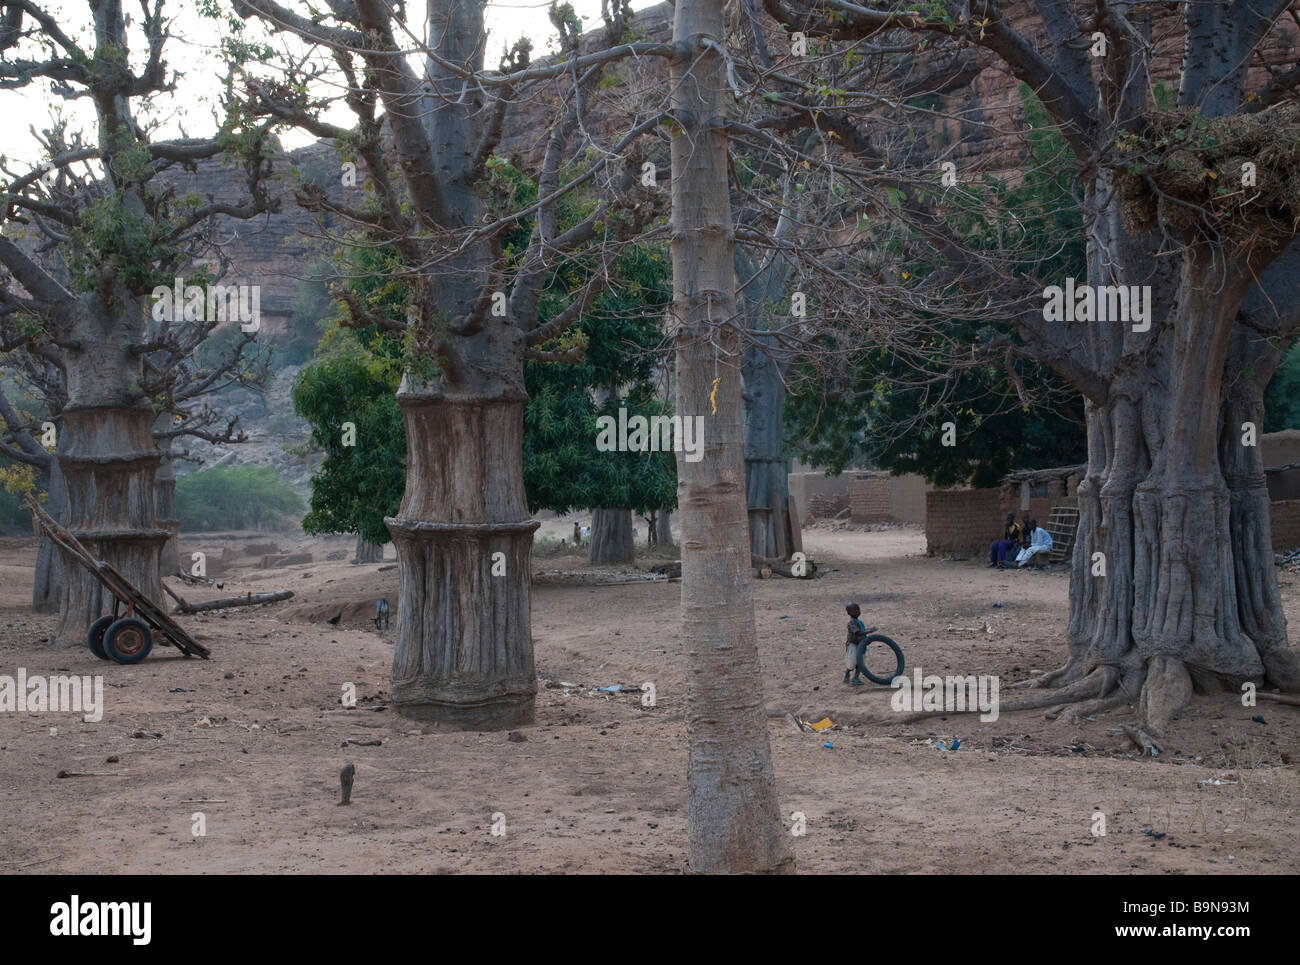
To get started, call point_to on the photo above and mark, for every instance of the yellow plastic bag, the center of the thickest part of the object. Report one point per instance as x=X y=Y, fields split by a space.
x=823 y=724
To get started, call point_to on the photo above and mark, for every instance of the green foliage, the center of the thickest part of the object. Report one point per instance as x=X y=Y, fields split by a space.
x=1282 y=396
x=15 y=480
x=234 y=497
x=890 y=410
x=357 y=372
x=356 y=485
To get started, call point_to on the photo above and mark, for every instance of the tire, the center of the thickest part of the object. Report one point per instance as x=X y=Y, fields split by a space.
x=128 y=641
x=95 y=636
x=877 y=652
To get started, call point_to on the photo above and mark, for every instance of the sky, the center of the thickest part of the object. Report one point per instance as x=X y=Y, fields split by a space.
x=193 y=50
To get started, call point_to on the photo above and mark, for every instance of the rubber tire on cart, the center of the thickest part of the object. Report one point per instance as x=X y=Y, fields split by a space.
x=862 y=649
x=128 y=640
x=95 y=636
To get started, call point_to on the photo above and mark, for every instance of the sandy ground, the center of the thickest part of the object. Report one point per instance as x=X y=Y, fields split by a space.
x=597 y=785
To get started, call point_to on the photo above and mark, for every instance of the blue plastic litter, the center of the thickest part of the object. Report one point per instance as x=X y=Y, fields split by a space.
x=829 y=744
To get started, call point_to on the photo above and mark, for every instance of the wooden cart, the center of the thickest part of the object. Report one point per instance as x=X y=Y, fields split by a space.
x=127 y=635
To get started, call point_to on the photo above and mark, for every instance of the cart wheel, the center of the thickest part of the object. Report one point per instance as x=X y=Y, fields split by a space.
x=128 y=640
x=95 y=636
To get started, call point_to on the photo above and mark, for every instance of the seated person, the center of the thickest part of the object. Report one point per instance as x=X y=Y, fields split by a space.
x=1012 y=536
x=1040 y=541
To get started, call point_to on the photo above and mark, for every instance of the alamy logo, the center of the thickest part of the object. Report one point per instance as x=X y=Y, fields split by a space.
x=60 y=694
x=73 y=918
x=218 y=303
x=947 y=694
x=1098 y=303
x=659 y=433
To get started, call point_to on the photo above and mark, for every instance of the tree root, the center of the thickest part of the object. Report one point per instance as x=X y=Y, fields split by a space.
x=1279 y=698
x=1168 y=689
x=1143 y=740
x=1053 y=678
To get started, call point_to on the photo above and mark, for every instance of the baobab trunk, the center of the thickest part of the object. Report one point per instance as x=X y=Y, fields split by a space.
x=109 y=460
x=49 y=561
x=661 y=528
x=368 y=552
x=165 y=509
x=611 y=536
x=464 y=655
x=767 y=471
x=732 y=815
x=1252 y=360
x=1173 y=589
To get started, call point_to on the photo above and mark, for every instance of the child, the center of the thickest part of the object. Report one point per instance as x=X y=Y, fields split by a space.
x=853 y=644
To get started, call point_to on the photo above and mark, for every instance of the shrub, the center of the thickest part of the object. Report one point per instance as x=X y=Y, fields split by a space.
x=234 y=497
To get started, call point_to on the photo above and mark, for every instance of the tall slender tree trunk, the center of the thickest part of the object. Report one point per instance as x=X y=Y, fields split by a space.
x=109 y=462
x=612 y=536
x=733 y=815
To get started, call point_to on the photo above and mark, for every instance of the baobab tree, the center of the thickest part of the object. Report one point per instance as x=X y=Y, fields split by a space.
x=436 y=195
x=1191 y=205
x=88 y=235
x=177 y=388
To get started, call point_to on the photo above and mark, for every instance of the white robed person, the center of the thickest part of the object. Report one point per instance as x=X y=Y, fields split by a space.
x=1040 y=541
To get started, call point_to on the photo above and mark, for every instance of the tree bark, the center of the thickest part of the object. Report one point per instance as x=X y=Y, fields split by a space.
x=733 y=815
x=165 y=508
x=612 y=536
x=464 y=655
x=661 y=528
x=767 y=471
x=49 y=561
x=368 y=552
x=109 y=462
x=1175 y=508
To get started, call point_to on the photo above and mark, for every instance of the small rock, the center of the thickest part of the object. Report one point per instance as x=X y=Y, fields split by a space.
x=515 y=737
x=112 y=759
x=230 y=675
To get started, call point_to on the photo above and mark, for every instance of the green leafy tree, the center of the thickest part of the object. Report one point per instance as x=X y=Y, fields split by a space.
x=234 y=497
x=613 y=351
x=889 y=410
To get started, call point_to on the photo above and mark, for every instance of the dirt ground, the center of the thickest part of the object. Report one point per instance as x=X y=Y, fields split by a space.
x=253 y=739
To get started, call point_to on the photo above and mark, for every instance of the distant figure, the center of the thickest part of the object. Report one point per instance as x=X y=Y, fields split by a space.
x=586 y=531
x=577 y=534
x=1040 y=541
x=346 y=777
x=1012 y=536
x=381 y=614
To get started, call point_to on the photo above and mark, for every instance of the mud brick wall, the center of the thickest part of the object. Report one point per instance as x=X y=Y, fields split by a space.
x=882 y=498
x=966 y=521
x=1284 y=517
